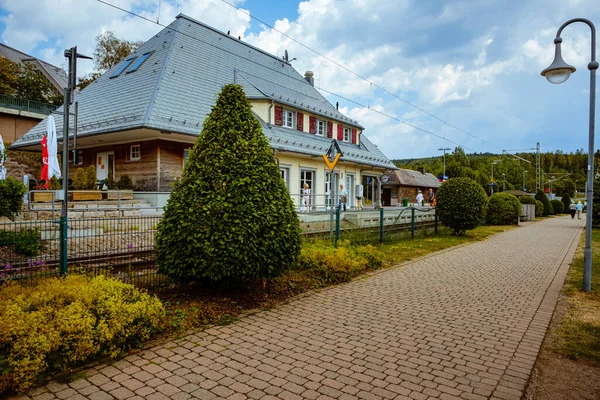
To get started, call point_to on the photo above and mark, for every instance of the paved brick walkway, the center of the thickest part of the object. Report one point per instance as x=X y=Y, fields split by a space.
x=465 y=323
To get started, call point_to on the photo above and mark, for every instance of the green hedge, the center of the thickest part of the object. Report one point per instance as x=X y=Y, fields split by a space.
x=503 y=209
x=557 y=206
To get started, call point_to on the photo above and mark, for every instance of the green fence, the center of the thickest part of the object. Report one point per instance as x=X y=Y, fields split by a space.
x=123 y=247
x=26 y=105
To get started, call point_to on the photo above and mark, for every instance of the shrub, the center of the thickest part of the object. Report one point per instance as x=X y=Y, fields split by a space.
x=539 y=208
x=54 y=183
x=230 y=215
x=596 y=203
x=111 y=184
x=331 y=265
x=541 y=196
x=557 y=206
x=27 y=242
x=79 y=182
x=125 y=183
x=527 y=200
x=503 y=209
x=461 y=204
x=566 y=200
x=91 y=182
x=11 y=197
x=62 y=323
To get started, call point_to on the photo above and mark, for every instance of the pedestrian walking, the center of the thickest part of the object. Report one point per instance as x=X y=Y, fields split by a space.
x=431 y=198
x=343 y=197
x=579 y=209
x=572 y=210
x=420 y=198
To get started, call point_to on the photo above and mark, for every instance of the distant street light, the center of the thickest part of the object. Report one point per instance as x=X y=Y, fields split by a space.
x=524 y=173
x=558 y=72
x=444 y=149
x=503 y=182
x=493 y=183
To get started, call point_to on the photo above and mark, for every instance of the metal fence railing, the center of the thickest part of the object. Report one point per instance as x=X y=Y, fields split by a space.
x=16 y=103
x=123 y=247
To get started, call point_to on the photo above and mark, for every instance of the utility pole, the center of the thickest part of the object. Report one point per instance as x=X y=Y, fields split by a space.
x=538 y=168
x=444 y=149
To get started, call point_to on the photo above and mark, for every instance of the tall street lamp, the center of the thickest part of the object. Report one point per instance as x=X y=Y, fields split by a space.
x=493 y=183
x=444 y=149
x=524 y=187
x=558 y=72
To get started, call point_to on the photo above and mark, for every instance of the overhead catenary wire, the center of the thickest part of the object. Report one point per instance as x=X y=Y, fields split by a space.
x=327 y=91
x=358 y=75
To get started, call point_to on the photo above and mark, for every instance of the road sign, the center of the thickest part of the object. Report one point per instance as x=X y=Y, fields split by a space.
x=333 y=155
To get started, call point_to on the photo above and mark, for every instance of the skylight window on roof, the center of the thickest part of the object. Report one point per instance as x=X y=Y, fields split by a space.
x=139 y=62
x=125 y=64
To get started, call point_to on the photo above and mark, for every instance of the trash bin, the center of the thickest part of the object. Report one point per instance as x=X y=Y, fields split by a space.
x=405 y=202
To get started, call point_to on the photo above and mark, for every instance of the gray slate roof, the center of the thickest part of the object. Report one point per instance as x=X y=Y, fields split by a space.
x=177 y=85
x=408 y=177
x=55 y=74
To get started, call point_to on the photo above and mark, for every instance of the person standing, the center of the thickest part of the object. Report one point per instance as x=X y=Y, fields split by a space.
x=572 y=210
x=343 y=197
x=430 y=197
x=306 y=198
x=579 y=209
x=420 y=198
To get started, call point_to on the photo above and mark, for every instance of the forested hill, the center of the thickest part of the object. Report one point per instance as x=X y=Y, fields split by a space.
x=566 y=171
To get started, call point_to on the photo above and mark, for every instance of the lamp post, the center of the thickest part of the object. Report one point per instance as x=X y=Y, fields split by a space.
x=558 y=72
x=492 y=184
x=504 y=182
x=444 y=149
x=524 y=187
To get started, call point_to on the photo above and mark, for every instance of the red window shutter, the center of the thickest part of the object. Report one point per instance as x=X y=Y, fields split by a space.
x=312 y=124
x=278 y=115
x=353 y=135
x=340 y=132
x=329 y=129
x=300 y=121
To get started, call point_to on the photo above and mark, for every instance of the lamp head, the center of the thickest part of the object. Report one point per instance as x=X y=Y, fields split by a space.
x=559 y=71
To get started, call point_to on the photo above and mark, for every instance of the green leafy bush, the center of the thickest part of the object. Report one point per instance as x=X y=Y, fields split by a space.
x=27 y=242
x=11 y=197
x=91 y=182
x=125 y=183
x=62 y=323
x=541 y=196
x=596 y=203
x=539 y=208
x=230 y=215
x=527 y=200
x=557 y=206
x=503 y=209
x=333 y=265
x=54 y=183
x=566 y=200
x=461 y=204
x=80 y=180
x=111 y=184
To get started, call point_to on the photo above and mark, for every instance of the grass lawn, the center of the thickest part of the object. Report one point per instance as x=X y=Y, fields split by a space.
x=579 y=331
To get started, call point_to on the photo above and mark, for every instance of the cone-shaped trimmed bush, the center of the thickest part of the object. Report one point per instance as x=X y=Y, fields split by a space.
x=541 y=196
x=566 y=200
x=461 y=204
x=557 y=206
x=230 y=215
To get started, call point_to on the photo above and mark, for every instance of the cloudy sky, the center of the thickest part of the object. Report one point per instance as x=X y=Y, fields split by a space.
x=468 y=71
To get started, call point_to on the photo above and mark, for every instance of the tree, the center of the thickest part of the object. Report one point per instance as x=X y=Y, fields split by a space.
x=461 y=204
x=9 y=76
x=230 y=215
x=26 y=82
x=109 y=51
x=541 y=196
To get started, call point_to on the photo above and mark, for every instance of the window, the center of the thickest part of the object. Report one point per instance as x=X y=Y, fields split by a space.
x=135 y=153
x=308 y=177
x=285 y=175
x=125 y=64
x=288 y=119
x=347 y=133
x=139 y=62
x=79 y=158
x=321 y=127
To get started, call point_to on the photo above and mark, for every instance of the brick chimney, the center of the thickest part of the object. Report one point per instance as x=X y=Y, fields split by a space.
x=421 y=170
x=309 y=76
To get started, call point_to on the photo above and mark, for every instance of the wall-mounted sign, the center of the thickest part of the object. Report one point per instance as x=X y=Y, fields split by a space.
x=333 y=155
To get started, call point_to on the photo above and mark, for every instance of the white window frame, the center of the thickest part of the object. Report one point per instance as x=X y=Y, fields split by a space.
x=347 y=134
x=285 y=175
x=132 y=151
x=288 y=118
x=323 y=125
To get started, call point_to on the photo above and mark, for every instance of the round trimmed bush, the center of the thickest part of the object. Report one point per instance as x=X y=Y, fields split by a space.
x=503 y=209
x=566 y=200
x=557 y=206
x=230 y=216
x=461 y=204
x=539 y=208
x=527 y=200
x=541 y=196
